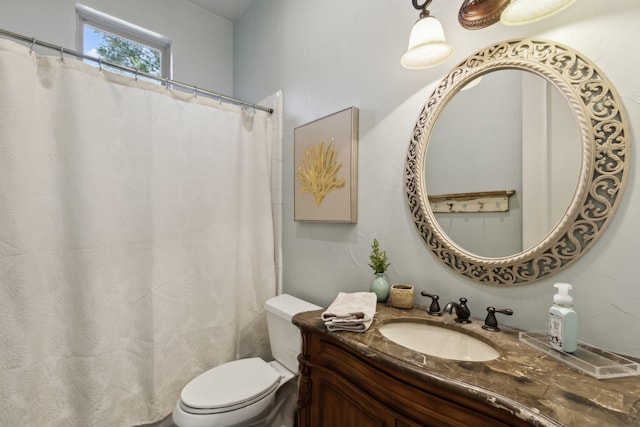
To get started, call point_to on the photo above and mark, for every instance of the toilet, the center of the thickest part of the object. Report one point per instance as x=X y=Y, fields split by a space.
x=243 y=392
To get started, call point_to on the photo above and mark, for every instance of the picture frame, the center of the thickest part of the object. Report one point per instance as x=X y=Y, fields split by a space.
x=326 y=168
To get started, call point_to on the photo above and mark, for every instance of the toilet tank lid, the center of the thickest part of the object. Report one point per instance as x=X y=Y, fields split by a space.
x=286 y=306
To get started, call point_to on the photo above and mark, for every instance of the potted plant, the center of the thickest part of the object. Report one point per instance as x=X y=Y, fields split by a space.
x=379 y=263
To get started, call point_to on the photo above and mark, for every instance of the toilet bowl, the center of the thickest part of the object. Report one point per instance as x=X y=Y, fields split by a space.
x=243 y=392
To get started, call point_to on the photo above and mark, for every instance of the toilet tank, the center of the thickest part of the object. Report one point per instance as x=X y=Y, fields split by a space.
x=284 y=336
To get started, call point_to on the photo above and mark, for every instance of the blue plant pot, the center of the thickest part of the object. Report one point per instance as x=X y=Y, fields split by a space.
x=380 y=286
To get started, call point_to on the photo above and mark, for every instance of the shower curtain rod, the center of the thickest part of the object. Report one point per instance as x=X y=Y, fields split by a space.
x=166 y=81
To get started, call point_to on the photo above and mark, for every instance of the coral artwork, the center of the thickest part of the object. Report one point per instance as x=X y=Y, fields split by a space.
x=325 y=172
x=318 y=171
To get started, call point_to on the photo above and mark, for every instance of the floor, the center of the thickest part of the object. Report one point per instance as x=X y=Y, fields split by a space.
x=289 y=394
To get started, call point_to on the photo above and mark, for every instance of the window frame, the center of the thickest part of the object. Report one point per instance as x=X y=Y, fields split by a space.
x=118 y=27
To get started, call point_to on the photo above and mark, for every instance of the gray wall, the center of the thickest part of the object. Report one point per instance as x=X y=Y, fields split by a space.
x=332 y=54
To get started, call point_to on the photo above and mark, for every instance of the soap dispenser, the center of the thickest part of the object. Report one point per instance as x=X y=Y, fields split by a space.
x=563 y=320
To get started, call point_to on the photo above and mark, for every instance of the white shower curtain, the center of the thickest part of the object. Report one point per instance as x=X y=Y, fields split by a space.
x=136 y=241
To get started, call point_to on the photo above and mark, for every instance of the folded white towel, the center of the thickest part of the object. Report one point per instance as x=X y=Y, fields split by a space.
x=351 y=312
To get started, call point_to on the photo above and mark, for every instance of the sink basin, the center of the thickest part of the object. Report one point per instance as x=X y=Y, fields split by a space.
x=438 y=341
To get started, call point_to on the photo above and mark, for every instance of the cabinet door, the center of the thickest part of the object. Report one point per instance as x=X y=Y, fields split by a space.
x=337 y=403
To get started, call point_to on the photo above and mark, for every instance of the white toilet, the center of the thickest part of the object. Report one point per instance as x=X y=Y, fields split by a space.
x=242 y=392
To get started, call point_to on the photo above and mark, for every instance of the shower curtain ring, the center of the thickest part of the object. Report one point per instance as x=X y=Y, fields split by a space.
x=136 y=75
x=61 y=53
x=166 y=82
x=33 y=43
x=195 y=91
x=100 y=63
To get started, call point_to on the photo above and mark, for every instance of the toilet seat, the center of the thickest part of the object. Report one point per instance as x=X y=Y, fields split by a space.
x=229 y=387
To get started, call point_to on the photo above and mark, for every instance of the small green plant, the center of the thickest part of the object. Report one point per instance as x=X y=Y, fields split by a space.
x=379 y=260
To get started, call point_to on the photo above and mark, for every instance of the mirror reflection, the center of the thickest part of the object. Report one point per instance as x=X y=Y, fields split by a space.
x=513 y=130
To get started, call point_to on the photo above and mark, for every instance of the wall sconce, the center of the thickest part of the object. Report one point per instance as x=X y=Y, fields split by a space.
x=427 y=45
x=477 y=14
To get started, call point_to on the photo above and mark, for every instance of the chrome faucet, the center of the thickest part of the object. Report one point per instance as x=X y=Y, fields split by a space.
x=462 y=311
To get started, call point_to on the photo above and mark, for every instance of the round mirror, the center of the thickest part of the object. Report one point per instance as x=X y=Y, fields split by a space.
x=528 y=188
x=494 y=139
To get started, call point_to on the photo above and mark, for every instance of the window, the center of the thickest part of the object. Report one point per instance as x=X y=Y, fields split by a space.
x=122 y=43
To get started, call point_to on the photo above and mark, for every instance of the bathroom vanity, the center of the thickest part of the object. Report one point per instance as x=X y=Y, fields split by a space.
x=365 y=379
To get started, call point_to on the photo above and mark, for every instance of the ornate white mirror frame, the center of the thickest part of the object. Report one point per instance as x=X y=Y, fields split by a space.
x=605 y=160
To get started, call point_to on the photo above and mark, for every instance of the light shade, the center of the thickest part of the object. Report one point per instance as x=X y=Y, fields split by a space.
x=427 y=46
x=473 y=83
x=521 y=12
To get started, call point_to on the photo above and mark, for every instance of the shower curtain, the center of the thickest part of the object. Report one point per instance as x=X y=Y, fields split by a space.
x=136 y=241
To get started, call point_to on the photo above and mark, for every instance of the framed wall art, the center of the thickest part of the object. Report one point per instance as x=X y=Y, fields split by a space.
x=326 y=168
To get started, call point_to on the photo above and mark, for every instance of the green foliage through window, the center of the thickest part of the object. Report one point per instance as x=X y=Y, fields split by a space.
x=121 y=51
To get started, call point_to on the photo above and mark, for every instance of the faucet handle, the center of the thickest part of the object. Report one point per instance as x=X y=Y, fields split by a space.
x=434 y=308
x=490 y=322
x=463 y=314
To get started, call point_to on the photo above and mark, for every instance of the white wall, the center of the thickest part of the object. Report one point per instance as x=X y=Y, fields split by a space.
x=551 y=144
x=332 y=54
x=202 y=42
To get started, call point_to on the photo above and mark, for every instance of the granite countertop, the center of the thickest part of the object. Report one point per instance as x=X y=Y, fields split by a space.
x=531 y=384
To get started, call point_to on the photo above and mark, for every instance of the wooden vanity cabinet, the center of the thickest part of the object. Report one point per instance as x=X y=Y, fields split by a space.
x=340 y=387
